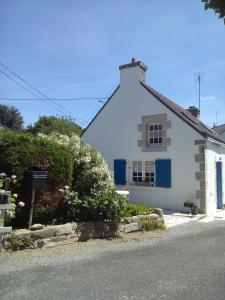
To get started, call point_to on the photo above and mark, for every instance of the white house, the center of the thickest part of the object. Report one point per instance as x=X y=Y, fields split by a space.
x=162 y=153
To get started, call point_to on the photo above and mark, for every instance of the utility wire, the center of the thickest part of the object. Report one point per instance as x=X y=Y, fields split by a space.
x=56 y=99
x=65 y=109
x=45 y=96
x=22 y=86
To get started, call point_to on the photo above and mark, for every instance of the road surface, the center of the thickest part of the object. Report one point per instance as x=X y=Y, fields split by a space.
x=186 y=262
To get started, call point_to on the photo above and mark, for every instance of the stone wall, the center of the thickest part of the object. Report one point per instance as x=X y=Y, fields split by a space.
x=47 y=236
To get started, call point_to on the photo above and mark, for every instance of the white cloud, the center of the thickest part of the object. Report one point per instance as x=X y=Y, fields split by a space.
x=207 y=98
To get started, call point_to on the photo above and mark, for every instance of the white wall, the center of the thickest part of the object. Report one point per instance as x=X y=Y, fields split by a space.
x=114 y=133
x=213 y=154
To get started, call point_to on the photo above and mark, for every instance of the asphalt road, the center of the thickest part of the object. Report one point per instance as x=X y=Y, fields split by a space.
x=187 y=262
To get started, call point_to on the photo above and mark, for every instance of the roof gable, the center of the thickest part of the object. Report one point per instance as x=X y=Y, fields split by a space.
x=181 y=112
x=185 y=115
x=219 y=129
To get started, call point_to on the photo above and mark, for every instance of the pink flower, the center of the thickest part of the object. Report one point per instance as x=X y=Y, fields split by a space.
x=21 y=204
x=61 y=191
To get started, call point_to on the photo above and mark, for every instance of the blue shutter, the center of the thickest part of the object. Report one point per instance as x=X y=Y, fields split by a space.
x=120 y=171
x=163 y=172
x=219 y=186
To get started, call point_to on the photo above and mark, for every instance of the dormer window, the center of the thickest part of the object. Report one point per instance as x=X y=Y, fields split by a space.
x=155 y=134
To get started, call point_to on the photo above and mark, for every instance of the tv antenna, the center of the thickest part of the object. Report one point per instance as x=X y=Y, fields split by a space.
x=199 y=78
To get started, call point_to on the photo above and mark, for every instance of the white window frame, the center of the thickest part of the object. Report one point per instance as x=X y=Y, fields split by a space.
x=143 y=171
x=138 y=172
x=154 y=135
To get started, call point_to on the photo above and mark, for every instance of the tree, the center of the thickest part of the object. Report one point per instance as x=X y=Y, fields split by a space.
x=49 y=124
x=217 y=5
x=11 y=117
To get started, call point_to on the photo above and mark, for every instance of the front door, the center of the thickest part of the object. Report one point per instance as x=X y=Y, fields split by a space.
x=219 y=187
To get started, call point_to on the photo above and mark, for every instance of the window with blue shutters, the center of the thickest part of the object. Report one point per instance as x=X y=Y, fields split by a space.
x=120 y=171
x=163 y=173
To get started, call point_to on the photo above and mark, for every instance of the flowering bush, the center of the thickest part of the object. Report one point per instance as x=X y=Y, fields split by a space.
x=105 y=205
x=8 y=183
x=90 y=171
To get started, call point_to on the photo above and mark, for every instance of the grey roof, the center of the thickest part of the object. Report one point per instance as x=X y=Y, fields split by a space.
x=185 y=115
x=219 y=129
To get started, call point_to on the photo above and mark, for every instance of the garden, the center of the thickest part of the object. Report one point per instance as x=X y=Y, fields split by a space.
x=79 y=186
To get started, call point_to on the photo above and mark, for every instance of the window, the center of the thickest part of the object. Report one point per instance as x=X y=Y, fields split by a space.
x=149 y=172
x=155 y=134
x=137 y=171
x=143 y=171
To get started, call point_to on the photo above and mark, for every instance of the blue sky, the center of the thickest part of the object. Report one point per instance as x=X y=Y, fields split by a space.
x=71 y=49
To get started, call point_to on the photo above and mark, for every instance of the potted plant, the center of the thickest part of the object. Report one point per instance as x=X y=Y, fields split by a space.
x=188 y=203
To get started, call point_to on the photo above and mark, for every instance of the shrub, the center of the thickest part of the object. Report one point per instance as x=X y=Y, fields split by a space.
x=147 y=224
x=14 y=242
x=138 y=209
x=43 y=214
x=49 y=124
x=106 y=206
x=20 y=152
x=90 y=171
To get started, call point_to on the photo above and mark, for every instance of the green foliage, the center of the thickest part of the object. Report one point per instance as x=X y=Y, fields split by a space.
x=21 y=151
x=11 y=117
x=217 y=5
x=15 y=242
x=1 y=221
x=147 y=224
x=91 y=173
x=50 y=124
x=106 y=205
x=44 y=214
x=138 y=209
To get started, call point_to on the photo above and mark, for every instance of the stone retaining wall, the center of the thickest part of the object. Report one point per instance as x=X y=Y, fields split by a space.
x=46 y=236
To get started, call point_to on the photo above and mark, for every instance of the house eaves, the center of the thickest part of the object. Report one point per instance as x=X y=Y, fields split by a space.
x=185 y=115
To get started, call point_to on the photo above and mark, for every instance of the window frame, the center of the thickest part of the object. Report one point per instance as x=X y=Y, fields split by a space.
x=142 y=178
x=154 y=135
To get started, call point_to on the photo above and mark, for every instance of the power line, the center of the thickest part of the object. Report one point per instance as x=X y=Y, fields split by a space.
x=45 y=96
x=56 y=99
x=41 y=93
x=22 y=86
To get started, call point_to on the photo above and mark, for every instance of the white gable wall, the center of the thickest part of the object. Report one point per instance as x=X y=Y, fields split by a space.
x=114 y=133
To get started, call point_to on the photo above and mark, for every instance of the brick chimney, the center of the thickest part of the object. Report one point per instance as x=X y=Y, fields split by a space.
x=133 y=72
x=194 y=111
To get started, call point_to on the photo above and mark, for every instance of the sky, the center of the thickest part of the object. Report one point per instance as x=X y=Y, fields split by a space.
x=72 y=49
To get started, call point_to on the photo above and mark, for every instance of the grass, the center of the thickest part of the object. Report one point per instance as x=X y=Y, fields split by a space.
x=15 y=242
x=1 y=221
x=138 y=209
x=147 y=224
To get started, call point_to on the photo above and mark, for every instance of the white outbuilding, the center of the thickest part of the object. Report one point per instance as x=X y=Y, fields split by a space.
x=160 y=152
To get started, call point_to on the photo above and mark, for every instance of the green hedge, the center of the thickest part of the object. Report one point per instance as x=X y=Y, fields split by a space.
x=21 y=151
